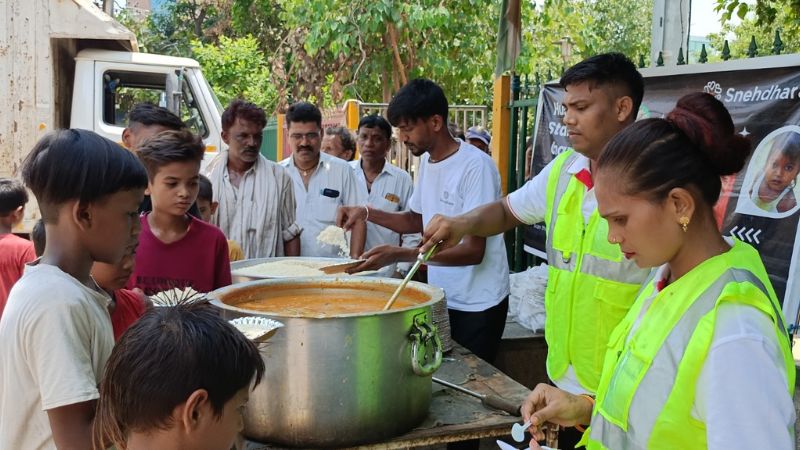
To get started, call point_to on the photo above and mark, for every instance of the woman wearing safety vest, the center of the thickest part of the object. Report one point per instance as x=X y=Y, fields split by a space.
x=702 y=359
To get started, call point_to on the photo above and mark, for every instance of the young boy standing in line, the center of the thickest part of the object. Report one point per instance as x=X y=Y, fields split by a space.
x=177 y=250
x=207 y=207
x=15 y=252
x=55 y=333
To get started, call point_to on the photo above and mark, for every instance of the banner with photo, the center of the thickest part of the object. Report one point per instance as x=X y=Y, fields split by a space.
x=759 y=205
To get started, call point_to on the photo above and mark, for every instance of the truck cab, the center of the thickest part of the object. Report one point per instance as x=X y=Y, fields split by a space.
x=109 y=83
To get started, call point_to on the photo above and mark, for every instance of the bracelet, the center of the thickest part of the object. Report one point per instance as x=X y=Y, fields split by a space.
x=366 y=219
x=591 y=400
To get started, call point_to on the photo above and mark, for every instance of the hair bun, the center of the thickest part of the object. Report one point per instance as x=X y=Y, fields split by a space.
x=708 y=125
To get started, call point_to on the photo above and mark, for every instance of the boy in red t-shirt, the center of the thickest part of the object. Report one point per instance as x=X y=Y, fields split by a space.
x=126 y=305
x=15 y=252
x=177 y=250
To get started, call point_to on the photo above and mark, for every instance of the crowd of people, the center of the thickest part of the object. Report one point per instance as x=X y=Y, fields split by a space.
x=691 y=354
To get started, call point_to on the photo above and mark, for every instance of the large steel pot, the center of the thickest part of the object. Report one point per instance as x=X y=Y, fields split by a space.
x=343 y=380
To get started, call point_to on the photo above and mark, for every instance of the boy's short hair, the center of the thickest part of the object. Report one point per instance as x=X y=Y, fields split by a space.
x=240 y=109
x=608 y=69
x=78 y=164
x=206 y=191
x=148 y=114
x=12 y=195
x=169 y=147
x=38 y=237
x=170 y=352
x=419 y=99
x=303 y=112
x=376 y=121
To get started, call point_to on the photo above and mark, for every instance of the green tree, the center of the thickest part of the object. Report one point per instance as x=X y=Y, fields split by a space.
x=765 y=11
x=237 y=68
x=739 y=35
x=592 y=27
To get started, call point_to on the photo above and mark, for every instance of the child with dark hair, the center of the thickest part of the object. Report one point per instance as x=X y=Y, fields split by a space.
x=704 y=349
x=15 y=251
x=179 y=378
x=146 y=120
x=55 y=333
x=177 y=250
x=38 y=237
x=207 y=206
x=773 y=189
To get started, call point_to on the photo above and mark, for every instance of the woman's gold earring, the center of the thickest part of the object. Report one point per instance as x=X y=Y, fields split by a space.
x=684 y=221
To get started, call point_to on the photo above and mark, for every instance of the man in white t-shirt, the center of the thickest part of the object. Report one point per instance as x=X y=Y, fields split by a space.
x=321 y=183
x=389 y=187
x=453 y=177
x=596 y=284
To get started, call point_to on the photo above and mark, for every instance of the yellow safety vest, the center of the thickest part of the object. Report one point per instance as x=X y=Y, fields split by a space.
x=673 y=338
x=590 y=284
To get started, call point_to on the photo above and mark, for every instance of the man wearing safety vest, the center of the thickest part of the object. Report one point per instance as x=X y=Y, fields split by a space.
x=702 y=360
x=591 y=285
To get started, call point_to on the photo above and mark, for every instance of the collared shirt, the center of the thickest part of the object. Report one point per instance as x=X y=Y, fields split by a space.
x=529 y=203
x=332 y=184
x=259 y=214
x=529 y=206
x=390 y=192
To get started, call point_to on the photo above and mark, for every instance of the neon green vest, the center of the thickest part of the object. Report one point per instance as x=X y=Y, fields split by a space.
x=639 y=408
x=590 y=284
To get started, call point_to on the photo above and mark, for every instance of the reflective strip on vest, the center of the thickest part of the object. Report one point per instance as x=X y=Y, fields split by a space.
x=654 y=389
x=591 y=265
x=554 y=257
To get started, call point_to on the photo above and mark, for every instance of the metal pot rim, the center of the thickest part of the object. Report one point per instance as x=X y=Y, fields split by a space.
x=436 y=294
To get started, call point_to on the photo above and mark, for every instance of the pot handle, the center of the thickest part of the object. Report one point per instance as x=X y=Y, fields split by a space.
x=424 y=335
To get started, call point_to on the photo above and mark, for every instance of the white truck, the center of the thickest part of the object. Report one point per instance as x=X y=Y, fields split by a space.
x=66 y=64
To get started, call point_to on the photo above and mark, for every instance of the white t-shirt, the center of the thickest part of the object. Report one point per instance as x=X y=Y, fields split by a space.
x=460 y=183
x=529 y=206
x=55 y=339
x=332 y=184
x=741 y=391
x=391 y=190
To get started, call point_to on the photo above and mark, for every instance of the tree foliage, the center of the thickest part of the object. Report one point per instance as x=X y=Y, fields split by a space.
x=237 y=69
x=739 y=35
x=325 y=51
x=766 y=12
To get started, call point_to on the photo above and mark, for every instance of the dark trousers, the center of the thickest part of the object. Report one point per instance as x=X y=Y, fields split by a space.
x=479 y=332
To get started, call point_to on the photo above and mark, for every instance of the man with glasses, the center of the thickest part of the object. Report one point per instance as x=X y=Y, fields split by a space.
x=321 y=183
x=254 y=200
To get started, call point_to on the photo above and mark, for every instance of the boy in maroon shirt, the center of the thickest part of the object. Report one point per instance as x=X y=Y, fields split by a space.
x=175 y=249
x=15 y=252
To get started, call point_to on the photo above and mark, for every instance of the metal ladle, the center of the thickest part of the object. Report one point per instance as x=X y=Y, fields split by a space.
x=421 y=258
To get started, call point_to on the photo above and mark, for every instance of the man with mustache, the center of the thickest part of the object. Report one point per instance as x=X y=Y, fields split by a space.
x=255 y=196
x=322 y=183
x=389 y=186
